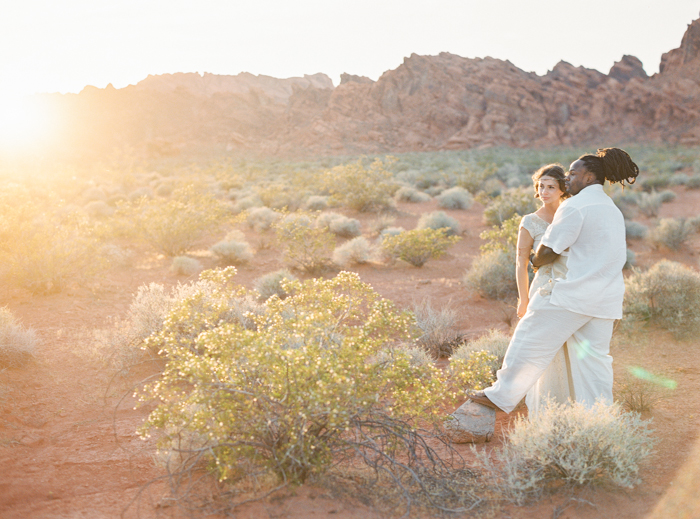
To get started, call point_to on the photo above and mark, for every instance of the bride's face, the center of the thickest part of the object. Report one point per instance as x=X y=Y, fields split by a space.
x=549 y=191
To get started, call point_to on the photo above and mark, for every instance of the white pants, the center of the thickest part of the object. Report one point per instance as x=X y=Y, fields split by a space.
x=536 y=340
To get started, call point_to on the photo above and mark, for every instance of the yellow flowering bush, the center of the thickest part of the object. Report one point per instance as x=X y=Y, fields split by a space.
x=292 y=390
x=361 y=188
x=307 y=247
x=473 y=371
x=418 y=245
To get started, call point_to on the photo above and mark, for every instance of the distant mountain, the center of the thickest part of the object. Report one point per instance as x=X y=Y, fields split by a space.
x=427 y=103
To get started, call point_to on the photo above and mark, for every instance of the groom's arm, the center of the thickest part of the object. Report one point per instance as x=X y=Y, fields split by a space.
x=543 y=256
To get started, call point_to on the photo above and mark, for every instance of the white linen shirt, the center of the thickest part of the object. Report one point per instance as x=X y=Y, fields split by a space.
x=592 y=228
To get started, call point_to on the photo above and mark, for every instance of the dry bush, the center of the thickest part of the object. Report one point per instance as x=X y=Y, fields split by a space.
x=232 y=252
x=272 y=284
x=636 y=392
x=635 y=230
x=439 y=220
x=381 y=222
x=354 y=252
x=670 y=232
x=411 y=194
x=455 y=198
x=493 y=276
x=185 y=266
x=261 y=218
x=570 y=445
x=668 y=294
x=316 y=203
x=339 y=224
x=17 y=343
x=438 y=333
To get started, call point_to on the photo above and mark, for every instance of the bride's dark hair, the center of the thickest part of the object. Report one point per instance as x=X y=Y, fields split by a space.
x=611 y=164
x=555 y=171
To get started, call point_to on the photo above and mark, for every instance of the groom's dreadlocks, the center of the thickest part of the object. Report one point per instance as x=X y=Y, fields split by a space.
x=611 y=164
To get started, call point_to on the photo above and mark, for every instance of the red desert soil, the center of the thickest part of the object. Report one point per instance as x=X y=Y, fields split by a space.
x=68 y=446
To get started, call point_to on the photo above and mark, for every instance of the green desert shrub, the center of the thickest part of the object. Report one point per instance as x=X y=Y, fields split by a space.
x=455 y=198
x=667 y=196
x=362 y=188
x=354 y=252
x=439 y=220
x=503 y=237
x=300 y=388
x=411 y=194
x=17 y=343
x=261 y=218
x=694 y=223
x=568 y=445
x=505 y=205
x=185 y=266
x=631 y=259
x=493 y=276
x=438 y=328
x=232 y=252
x=245 y=203
x=670 y=232
x=668 y=294
x=306 y=247
x=635 y=230
x=174 y=224
x=418 y=245
x=272 y=284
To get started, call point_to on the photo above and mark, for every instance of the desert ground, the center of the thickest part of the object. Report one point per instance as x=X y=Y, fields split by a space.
x=68 y=441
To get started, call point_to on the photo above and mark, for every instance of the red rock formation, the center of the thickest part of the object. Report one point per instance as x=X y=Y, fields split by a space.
x=427 y=103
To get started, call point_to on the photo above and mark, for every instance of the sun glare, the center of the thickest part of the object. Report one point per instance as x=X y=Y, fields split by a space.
x=22 y=122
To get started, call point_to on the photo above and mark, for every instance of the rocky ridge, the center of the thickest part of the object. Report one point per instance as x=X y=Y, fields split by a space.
x=427 y=103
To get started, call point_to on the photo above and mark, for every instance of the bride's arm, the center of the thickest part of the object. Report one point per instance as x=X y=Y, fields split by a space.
x=525 y=242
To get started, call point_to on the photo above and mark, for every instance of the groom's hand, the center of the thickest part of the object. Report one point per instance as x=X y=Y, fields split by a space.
x=543 y=256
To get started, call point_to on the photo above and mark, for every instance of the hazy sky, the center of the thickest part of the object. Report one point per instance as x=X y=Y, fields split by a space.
x=63 y=45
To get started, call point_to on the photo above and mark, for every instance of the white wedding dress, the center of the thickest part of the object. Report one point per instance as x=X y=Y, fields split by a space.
x=555 y=384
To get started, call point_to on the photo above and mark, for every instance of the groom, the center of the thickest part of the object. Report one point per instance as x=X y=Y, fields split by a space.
x=589 y=229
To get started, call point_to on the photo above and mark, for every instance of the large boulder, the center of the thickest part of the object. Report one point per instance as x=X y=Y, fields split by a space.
x=471 y=423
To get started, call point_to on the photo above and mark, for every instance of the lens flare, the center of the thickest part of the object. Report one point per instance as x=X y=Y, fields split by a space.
x=643 y=374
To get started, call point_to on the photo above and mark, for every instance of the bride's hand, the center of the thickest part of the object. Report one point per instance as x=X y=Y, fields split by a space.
x=522 y=307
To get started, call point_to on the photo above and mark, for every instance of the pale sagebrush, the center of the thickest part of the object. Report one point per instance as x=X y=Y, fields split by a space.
x=232 y=252
x=455 y=198
x=416 y=355
x=439 y=220
x=354 y=252
x=261 y=218
x=339 y=224
x=272 y=284
x=411 y=194
x=17 y=343
x=493 y=276
x=568 y=444
x=185 y=266
x=635 y=230
x=316 y=203
x=670 y=232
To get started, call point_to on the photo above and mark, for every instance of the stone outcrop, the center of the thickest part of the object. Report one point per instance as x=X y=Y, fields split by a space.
x=471 y=423
x=427 y=103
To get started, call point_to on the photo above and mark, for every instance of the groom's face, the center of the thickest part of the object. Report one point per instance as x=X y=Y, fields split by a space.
x=577 y=177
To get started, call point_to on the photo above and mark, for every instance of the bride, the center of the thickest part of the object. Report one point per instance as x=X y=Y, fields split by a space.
x=555 y=383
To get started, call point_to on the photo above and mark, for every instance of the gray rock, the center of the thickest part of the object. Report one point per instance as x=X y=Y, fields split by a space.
x=471 y=423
